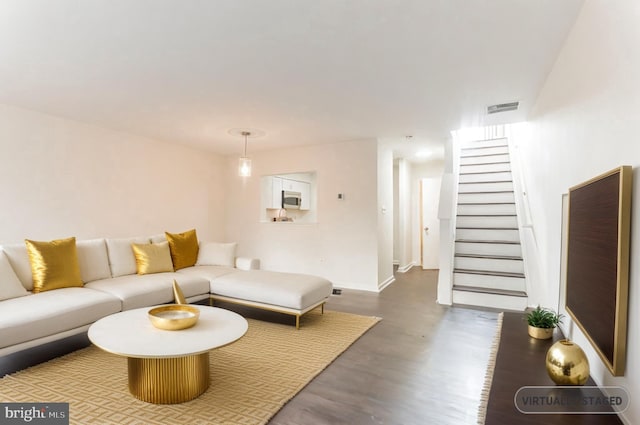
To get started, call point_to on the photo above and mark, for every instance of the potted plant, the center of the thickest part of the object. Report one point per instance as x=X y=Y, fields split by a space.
x=542 y=322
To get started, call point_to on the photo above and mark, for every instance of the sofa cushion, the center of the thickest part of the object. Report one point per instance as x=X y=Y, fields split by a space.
x=191 y=285
x=19 y=259
x=47 y=313
x=207 y=272
x=10 y=285
x=54 y=264
x=137 y=291
x=152 y=258
x=291 y=290
x=184 y=248
x=93 y=259
x=217 y=254
x=121 y=259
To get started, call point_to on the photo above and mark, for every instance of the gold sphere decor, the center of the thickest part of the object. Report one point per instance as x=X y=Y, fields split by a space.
x=567 y=364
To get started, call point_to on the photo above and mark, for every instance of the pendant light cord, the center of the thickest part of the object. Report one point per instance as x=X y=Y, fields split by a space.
x=246 y=134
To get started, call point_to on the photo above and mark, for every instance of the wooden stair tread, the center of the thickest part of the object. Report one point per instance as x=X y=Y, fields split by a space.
x=487 y=273
x=487 y=163
x=487 y=228
x=487 y=241
x=487 y=192
x=486 y=203
x=482 y=172
x=486 y=215
x=493 y=291
x=488 y=182
x=467 y=148
x=485 y=154
x=490 y=257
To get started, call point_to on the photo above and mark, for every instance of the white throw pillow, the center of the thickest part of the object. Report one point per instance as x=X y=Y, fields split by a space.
x=121 y=258
x=10 y=285
x=93 y=260
x=19 y=260
x=217 y=254
x=158 y=238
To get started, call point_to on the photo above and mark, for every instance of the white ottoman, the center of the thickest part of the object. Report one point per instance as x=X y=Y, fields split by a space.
x=289 y=293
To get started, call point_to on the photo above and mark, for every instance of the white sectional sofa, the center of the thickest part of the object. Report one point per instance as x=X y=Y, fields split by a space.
x=110 y=285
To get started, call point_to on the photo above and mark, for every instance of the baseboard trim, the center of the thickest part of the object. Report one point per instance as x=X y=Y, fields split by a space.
x=386 y=283
x=405 y=268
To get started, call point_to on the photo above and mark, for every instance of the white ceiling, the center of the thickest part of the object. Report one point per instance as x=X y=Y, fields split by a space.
x=304 y=72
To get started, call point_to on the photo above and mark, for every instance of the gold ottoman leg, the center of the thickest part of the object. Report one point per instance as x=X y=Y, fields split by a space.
x=169 y=380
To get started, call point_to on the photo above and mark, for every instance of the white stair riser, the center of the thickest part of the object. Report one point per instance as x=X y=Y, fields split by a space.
x=501 y=302
x=488 y=235
x=487 y=209
x=485 y=187
x=486 y=143
x=484 y=248
x=484 y=168
x=489 y=264
x=489 y=282
x=489 y=150
x=491 y=222
x=485 y=177
x=489 y=159
x=486 y=198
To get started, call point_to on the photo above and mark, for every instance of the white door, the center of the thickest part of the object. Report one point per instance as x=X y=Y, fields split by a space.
x=430 y=226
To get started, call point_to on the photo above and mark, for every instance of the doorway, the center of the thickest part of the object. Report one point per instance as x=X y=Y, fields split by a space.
x=429 y=223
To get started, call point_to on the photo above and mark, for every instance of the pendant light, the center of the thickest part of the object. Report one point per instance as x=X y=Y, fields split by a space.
x=244 y=164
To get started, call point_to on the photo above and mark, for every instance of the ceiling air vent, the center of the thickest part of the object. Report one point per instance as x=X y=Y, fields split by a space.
x=502 y=107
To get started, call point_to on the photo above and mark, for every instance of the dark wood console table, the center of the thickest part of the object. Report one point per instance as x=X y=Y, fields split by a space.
x=520 y=362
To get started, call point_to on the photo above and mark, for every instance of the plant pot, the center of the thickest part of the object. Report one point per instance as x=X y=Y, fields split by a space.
x=540 y=333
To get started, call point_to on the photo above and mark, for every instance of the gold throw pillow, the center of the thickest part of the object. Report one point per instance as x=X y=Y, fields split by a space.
x=54 y=264
x=152 y=258
x=184 y=248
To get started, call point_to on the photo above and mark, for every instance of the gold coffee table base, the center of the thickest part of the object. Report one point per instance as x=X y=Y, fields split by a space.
x=169 y=380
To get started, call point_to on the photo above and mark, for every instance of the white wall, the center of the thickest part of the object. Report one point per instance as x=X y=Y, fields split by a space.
x=405 y=231
x=586 y=121
x=342 y=246
x=61 y=178
x=396 y=214
x=385 y=214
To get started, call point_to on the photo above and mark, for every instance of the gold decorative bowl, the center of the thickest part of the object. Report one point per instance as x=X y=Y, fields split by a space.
x=173 y=317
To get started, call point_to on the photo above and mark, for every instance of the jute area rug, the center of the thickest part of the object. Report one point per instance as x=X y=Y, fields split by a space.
x=251 y=379
x=491 y=365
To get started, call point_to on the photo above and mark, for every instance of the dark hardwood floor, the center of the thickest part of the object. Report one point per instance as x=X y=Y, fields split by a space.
x=422 y=364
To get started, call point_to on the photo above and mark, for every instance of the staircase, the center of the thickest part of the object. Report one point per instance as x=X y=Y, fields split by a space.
x=488 y=267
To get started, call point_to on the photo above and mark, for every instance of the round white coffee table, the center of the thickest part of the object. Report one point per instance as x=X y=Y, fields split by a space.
x=167 y=366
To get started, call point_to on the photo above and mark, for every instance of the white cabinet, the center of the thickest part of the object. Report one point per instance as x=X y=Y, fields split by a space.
x=288 y=184
x=273 y=186
x=272 y=192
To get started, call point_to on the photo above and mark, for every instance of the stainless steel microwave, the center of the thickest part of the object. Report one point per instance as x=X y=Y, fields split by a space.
x=291 y=200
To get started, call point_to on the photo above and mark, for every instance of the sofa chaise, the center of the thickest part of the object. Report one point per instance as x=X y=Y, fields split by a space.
x=110 y=284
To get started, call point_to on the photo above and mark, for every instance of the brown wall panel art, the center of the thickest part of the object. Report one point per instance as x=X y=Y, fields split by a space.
x=598 y=262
